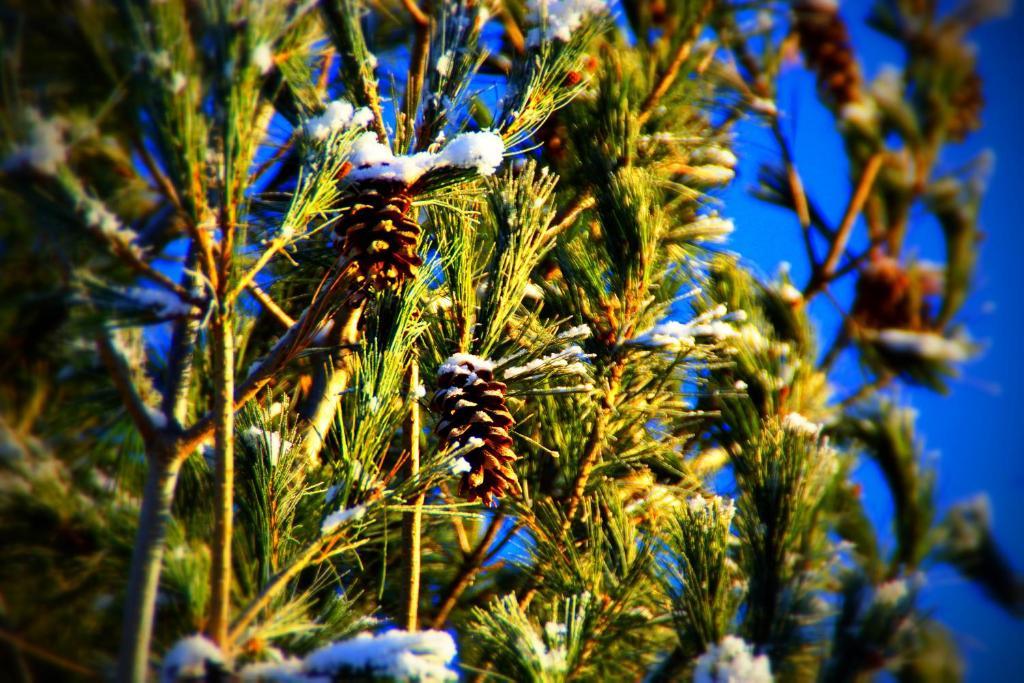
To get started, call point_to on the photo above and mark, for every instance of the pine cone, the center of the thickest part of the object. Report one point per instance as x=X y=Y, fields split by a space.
x=827 y=50
x=889 y=297
x=472 y=410
x=967 y=102
x=377 y=234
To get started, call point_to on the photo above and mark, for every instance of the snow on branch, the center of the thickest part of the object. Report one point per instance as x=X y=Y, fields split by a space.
x=339 y=115
x=677 y=336
x=559 y=19
x=421 y=656
x=371 y=160
x=732 y=660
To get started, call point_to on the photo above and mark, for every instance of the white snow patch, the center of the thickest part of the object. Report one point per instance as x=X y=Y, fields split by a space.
x=732 y=661
x=677 y=336
x=444 y=64
x=482 y=151
x=713 y=228
x=339 y=517
x=45 y=150
x=188 y=659
x=891 y=592
x=339 y=115
x=275 y=444
x=578 y=332
x=464 y=363
x=178 y=82
x=568 y=361
x=167 y=304
x=559 y=19
x=925 y=345
x=263 y=58
x=421 y=656
x=277 y=672
x=798 y=424
x=790 y=294
x=99 y=217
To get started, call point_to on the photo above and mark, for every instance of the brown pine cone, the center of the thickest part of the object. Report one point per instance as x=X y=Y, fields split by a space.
x=377 y=234
x=473 y=415
x=827 y=50
x=890 y=297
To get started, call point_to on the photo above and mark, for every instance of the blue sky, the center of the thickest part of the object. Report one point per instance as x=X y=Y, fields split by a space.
x=972 y=431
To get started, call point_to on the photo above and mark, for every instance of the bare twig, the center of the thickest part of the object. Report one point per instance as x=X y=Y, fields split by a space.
x=565 y=220
x=120 y=373
x=268 y=303
x=417 y=64
x=822 y=276
x=467 y=572
x=45 y=655
x=595 y=440
x=680 y=56
x=222 y=338
x=412 y=520
x=336 y=375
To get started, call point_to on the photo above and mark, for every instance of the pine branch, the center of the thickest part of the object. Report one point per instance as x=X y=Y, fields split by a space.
x=120 y=373
x=146 y=563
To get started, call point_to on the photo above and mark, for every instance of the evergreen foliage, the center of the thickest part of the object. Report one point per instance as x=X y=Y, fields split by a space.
x=396 y=341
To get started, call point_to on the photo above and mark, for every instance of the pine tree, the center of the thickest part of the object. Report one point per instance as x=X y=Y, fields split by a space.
x=396 y=341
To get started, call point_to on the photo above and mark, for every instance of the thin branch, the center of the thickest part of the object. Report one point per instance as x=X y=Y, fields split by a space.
x=182 y=352
x=412 y=520
x=120 y=372
x=467 y=572
x=279 y=582
x=567 y=218
x=45 y=655
x=129 y=255
x=868 y=390
x=417 y=15
x=336 y=375
x=163 y=182
x=276 y=245
x=457 y=525
x=417 y=66
x=268 y=303
x=592 y=450
x=824 y=275
x=682 y=53
x=285 y=349
x=796 y=188
x=222 y=337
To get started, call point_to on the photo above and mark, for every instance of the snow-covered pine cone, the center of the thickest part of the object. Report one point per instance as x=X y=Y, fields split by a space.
x=827 y=50
x=378 y=235
x=472 y=414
